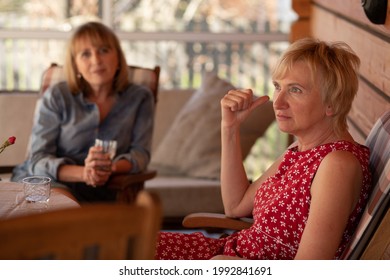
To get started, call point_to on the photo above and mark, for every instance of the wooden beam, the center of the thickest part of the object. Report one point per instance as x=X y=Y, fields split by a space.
x=353 y=10
x=301 y=27
x=372 y=50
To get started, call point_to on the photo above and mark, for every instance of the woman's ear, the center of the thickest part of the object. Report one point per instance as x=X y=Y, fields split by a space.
x=329 y=111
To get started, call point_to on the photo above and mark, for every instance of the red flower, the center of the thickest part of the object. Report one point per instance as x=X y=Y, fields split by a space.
x=11 y=140
x=8 y=142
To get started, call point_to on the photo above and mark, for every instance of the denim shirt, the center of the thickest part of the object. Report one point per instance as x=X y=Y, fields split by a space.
x=66 y=126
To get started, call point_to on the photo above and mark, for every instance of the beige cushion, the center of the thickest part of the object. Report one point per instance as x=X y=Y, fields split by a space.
x=170 y=102
x=16 y=114
x=192 y=145
x=181 y=196
x=255 y=126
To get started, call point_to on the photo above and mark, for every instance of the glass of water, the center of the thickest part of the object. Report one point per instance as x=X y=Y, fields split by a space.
x=36 y=188
x=108 y=146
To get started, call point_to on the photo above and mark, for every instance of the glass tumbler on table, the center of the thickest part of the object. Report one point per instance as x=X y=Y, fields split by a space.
x=37 y=188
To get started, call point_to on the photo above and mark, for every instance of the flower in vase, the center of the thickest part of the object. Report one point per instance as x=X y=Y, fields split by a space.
x=10 y=141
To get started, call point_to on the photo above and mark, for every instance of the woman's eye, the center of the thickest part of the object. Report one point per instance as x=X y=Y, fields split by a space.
x=85 y=54
x=277 y=87
x=296 y=90
x=104 y=50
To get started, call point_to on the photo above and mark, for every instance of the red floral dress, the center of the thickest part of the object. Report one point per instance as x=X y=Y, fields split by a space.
x=281 y=210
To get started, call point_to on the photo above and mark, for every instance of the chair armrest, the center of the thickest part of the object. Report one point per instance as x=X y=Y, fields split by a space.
x=6 y=169
x=213 y=220
x=122 y=181
x=127 y=186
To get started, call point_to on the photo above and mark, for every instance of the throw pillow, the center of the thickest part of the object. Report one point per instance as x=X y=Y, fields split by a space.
x=192 y=145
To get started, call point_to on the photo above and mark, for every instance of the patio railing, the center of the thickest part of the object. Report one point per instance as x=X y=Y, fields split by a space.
x=243 y=59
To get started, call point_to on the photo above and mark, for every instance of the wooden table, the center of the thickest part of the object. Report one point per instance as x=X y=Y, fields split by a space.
x=12 y=203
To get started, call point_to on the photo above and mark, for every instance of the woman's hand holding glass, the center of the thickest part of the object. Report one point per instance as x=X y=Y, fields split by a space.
x=98 y=164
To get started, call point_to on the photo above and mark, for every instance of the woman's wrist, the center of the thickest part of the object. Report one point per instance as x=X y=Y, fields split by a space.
x=121 y=166
x=71 y=173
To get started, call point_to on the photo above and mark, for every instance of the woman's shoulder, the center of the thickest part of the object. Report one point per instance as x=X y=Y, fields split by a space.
x=57 y=90
x=334 y=152
x=347 y=154
x=135 y=90
x=341 y=157
x=58 y=95
x=344 y=145
x=357 y=149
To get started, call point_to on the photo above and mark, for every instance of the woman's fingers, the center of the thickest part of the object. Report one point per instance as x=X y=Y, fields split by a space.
x=237 y=104
x=97 y=167
x=96 y=158
x=238 y=100
x=258 y=101
x=96 y=177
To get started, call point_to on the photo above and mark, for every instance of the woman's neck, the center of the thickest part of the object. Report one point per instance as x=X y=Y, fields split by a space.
x=305 y=144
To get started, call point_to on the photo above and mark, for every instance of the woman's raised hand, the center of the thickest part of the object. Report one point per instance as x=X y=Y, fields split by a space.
x=237 y=104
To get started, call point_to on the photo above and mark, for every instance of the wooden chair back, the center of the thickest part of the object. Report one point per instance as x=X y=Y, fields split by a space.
x=95 y=231
x=372 y=236
x=126 y=185
x=376 y=215
x=148 y=77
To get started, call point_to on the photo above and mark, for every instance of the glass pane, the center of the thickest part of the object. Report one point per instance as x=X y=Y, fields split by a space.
x=182 y=64
x=47 y=14
x=22 y=67
x=216 y=16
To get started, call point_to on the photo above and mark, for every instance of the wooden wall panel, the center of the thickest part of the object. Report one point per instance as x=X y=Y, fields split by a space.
x=352 y=9
x=301 y=27
x=368 y=106
x=334 y=20
x=374 y=52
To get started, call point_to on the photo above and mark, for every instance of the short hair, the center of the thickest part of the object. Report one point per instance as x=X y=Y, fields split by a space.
x=336 y=64
x=98 y=34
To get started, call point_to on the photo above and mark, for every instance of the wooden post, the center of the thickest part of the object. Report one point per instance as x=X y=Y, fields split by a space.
x=301 y=27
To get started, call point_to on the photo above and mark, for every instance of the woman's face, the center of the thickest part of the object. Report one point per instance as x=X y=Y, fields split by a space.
x=97 y=64
x=298 y=105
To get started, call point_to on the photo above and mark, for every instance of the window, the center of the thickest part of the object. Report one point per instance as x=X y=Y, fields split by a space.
x=238 y=39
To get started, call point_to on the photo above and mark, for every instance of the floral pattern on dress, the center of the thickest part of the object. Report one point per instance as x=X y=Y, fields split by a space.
x=281 y=209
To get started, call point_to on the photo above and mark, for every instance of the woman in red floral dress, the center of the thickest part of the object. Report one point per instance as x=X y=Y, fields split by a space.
x=308 y=203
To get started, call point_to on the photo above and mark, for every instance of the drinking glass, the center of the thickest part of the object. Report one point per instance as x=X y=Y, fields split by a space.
x=37 y=188
x=109 y=146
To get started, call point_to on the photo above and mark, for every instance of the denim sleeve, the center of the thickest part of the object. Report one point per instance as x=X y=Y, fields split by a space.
x=139 y=151
x=43 y=158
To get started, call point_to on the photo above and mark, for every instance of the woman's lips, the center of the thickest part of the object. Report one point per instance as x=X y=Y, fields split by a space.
x=98 y=71
x=282 y=117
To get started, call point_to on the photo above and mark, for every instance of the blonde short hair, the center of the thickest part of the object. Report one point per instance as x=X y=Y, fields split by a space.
x=98 y=34
x=336 y=65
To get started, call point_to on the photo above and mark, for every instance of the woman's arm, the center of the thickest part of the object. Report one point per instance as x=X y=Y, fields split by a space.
x=137 y=156
x=45 y=132
x=335 y=191
x=92 y=173
x=236 y=107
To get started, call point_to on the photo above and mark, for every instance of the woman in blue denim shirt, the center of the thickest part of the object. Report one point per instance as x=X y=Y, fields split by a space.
x=96 y=101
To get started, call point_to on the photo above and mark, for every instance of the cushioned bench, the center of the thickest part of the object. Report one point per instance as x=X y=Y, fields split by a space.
x=185 y=149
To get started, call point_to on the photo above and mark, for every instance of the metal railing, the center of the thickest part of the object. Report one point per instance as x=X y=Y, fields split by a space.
x=244 y=59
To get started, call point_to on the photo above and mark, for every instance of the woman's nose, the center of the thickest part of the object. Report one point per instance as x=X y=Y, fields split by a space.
x=280 y=101
x=96 y=57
